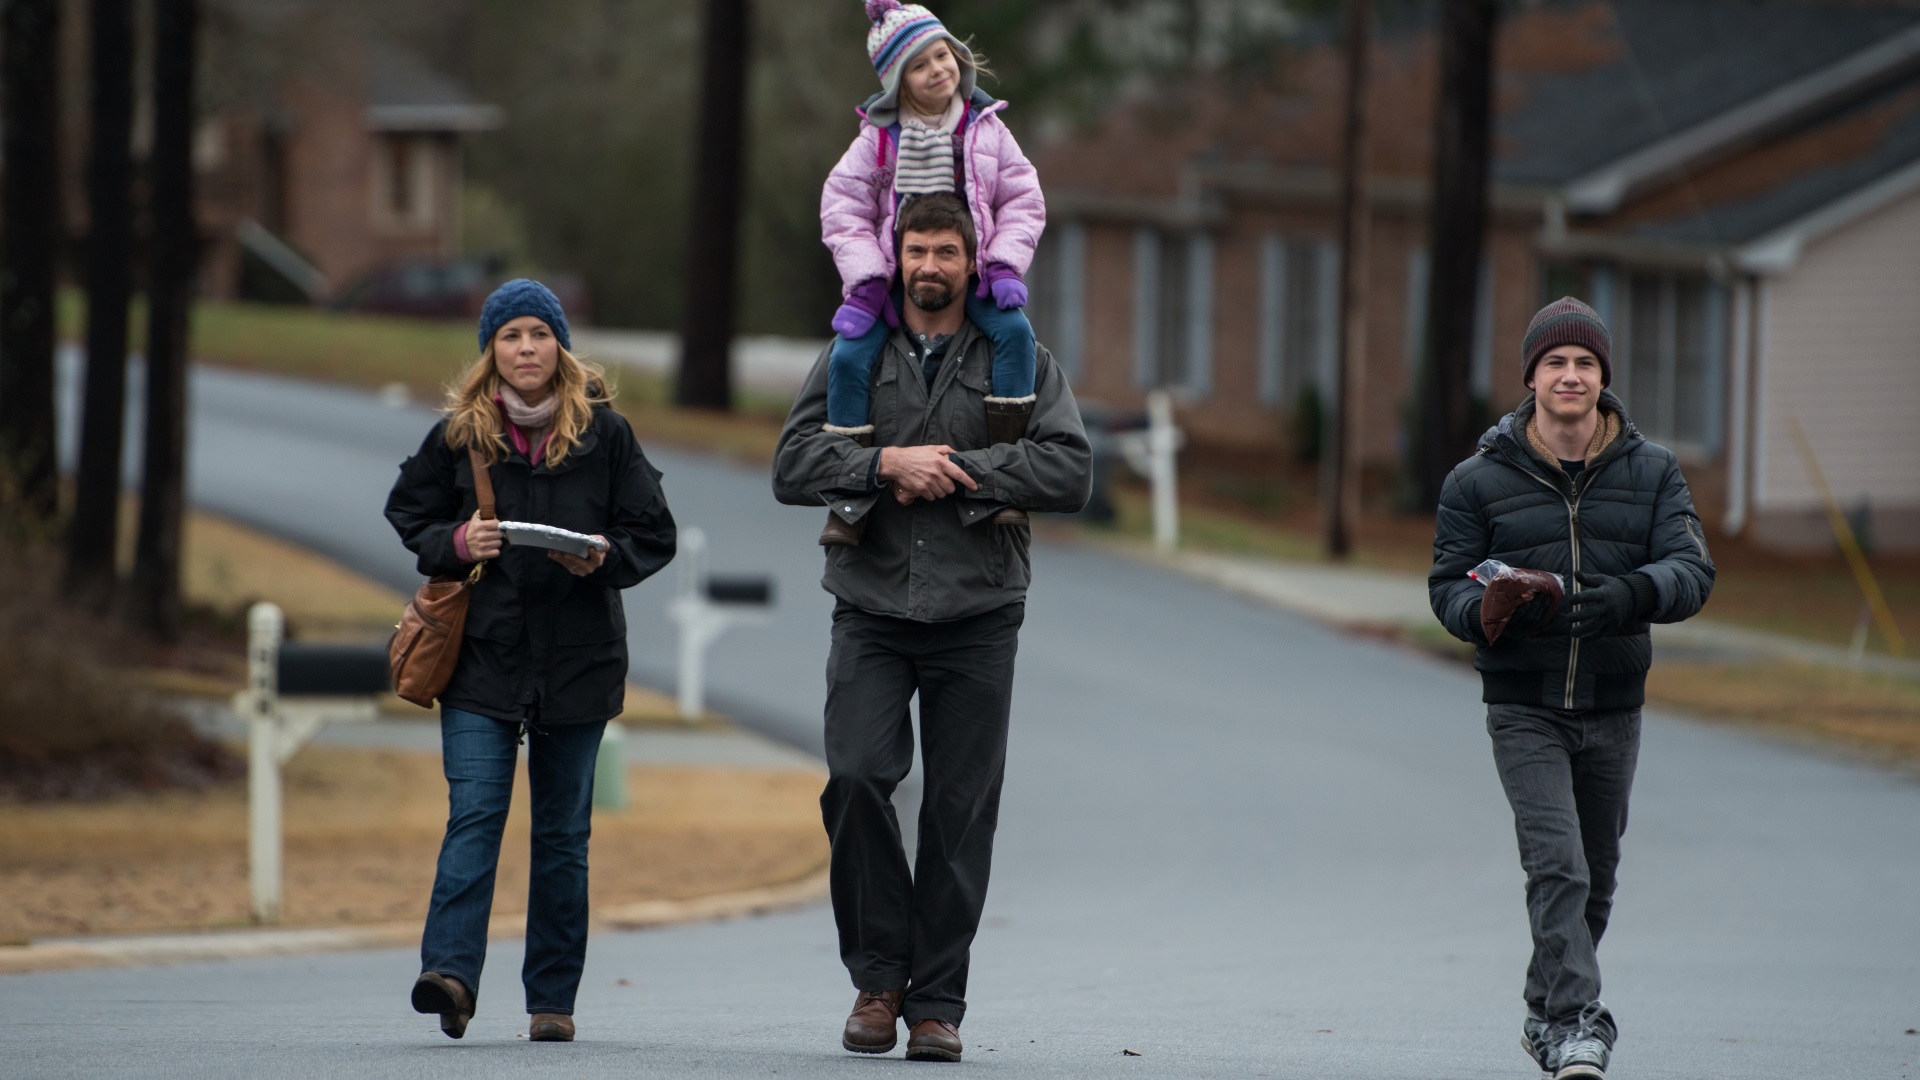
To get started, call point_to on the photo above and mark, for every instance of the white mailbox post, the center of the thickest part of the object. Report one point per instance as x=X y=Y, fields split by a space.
x=1154 y=454
x=705 y=607
x=278 y=726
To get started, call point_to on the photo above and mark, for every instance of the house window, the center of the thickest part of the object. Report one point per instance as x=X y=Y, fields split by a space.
x=1059 y=295
x=1298 y=305
x=1173 y=310
x=1668 y=355
x=403 y=182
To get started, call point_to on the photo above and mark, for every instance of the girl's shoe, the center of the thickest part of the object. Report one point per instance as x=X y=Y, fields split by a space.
x=1007 y=423
x=446 y=995
x=839 y=532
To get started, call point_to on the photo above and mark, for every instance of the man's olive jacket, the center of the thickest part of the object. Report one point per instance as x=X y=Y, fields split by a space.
x=939 y=560
x=1628 y=512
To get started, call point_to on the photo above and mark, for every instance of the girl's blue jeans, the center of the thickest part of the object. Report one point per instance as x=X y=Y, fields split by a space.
x=850 y=366
x=479 y=753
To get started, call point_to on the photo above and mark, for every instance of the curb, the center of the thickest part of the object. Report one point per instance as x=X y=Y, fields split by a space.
x=67 y=954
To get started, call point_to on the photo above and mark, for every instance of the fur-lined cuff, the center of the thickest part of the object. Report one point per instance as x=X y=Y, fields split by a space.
x=1028 y=400
x=835 y=429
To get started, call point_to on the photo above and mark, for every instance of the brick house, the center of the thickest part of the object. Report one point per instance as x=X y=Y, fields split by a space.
x=337 y=176
x=1735 y=186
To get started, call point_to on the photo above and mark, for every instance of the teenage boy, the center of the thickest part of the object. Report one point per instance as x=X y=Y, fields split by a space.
x=1566 y=485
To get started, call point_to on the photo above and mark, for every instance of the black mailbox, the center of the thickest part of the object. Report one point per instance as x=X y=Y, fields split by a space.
x=757 y=591
x=338 y=670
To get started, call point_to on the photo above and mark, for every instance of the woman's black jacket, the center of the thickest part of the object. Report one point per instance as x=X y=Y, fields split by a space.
x=541 y=644
x=1629 y=512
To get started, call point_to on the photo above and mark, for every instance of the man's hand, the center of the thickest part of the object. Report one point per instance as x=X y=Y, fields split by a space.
x=483 y=538
x=922 y=472
x=578 y=566
x=1604 y=604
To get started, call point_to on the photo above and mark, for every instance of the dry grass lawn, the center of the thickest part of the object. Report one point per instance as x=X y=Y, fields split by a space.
x=1874 y=714
x=362 y=831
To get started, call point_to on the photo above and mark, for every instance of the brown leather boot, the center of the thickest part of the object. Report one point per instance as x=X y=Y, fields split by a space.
x=873 y=1026
x=446 y=995
x=933 y=1040
x=1007 y=423
x=550 y=1027
x=838 y=532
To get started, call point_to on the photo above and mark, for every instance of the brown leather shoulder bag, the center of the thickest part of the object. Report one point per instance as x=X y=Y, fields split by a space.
x=425 y=646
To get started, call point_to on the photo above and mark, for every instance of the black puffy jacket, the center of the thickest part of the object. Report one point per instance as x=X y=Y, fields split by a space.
x=1629 y=512
x=541 y=643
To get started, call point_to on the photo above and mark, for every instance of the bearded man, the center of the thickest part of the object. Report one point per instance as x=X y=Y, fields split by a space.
x=930 y=602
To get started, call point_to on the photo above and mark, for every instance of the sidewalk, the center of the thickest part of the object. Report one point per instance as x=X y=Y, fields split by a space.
x=1357 y=598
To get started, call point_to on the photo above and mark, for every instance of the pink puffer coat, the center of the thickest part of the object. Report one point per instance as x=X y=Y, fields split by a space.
x=1003 y=192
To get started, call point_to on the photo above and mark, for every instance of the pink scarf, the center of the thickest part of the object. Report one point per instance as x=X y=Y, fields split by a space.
x=529 y=426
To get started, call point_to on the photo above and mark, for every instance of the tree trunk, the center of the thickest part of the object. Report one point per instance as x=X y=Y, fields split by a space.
x=713 y=230
x=29 y=252
x=94 y=528
x=171 y=262
x=1463 y=120
x=1340 y=459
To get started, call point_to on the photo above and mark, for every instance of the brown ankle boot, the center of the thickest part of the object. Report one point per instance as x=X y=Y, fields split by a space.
x=839 y=533
x=873 y=1026
x=933 y=1040
x=550 y=1027
x=1007 y=423
x=446 y=995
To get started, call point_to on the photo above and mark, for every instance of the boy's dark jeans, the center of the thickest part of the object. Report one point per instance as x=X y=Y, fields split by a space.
x=901 y=928
x=479 y=754
x=1567 y=776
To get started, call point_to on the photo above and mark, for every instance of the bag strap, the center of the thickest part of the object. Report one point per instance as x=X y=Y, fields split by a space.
x=482 y=484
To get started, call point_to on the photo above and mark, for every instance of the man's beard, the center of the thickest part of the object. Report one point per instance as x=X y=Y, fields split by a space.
x=936 y=302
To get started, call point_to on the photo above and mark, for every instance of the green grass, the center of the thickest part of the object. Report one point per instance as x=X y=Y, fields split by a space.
x=372 y=350
x=424 y=355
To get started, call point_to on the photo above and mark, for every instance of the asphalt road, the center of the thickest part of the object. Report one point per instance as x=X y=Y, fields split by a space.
x=1232 y=842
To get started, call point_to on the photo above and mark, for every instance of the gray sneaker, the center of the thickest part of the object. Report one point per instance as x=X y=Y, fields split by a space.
x=1536 y=1038
x=1584 y=1051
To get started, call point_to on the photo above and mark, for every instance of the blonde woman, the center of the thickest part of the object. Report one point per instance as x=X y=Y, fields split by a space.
x=544 y=656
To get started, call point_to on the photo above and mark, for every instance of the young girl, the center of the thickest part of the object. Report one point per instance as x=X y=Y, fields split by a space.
x=929 y=129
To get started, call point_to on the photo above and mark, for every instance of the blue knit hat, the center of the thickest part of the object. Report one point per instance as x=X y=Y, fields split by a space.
x=523 y=296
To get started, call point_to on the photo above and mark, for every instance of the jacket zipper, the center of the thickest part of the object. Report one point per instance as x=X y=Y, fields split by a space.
x=1573 y=537
x=1697 y=542
x=1573 y=534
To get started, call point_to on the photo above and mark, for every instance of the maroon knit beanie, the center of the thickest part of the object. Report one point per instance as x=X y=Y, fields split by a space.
x=1567 y=321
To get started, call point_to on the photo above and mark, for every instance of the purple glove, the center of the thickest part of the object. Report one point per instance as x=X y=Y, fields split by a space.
x=1004 y=284
x=863 y=305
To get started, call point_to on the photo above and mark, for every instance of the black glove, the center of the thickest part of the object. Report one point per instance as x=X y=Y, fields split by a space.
x=1605 y=604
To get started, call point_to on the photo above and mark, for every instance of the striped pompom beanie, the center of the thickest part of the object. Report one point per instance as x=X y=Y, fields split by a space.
x=1567 y=321
x=899 y=32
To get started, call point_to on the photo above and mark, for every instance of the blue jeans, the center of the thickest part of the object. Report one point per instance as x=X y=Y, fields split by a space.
x=850 y=365
x=479 y=754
